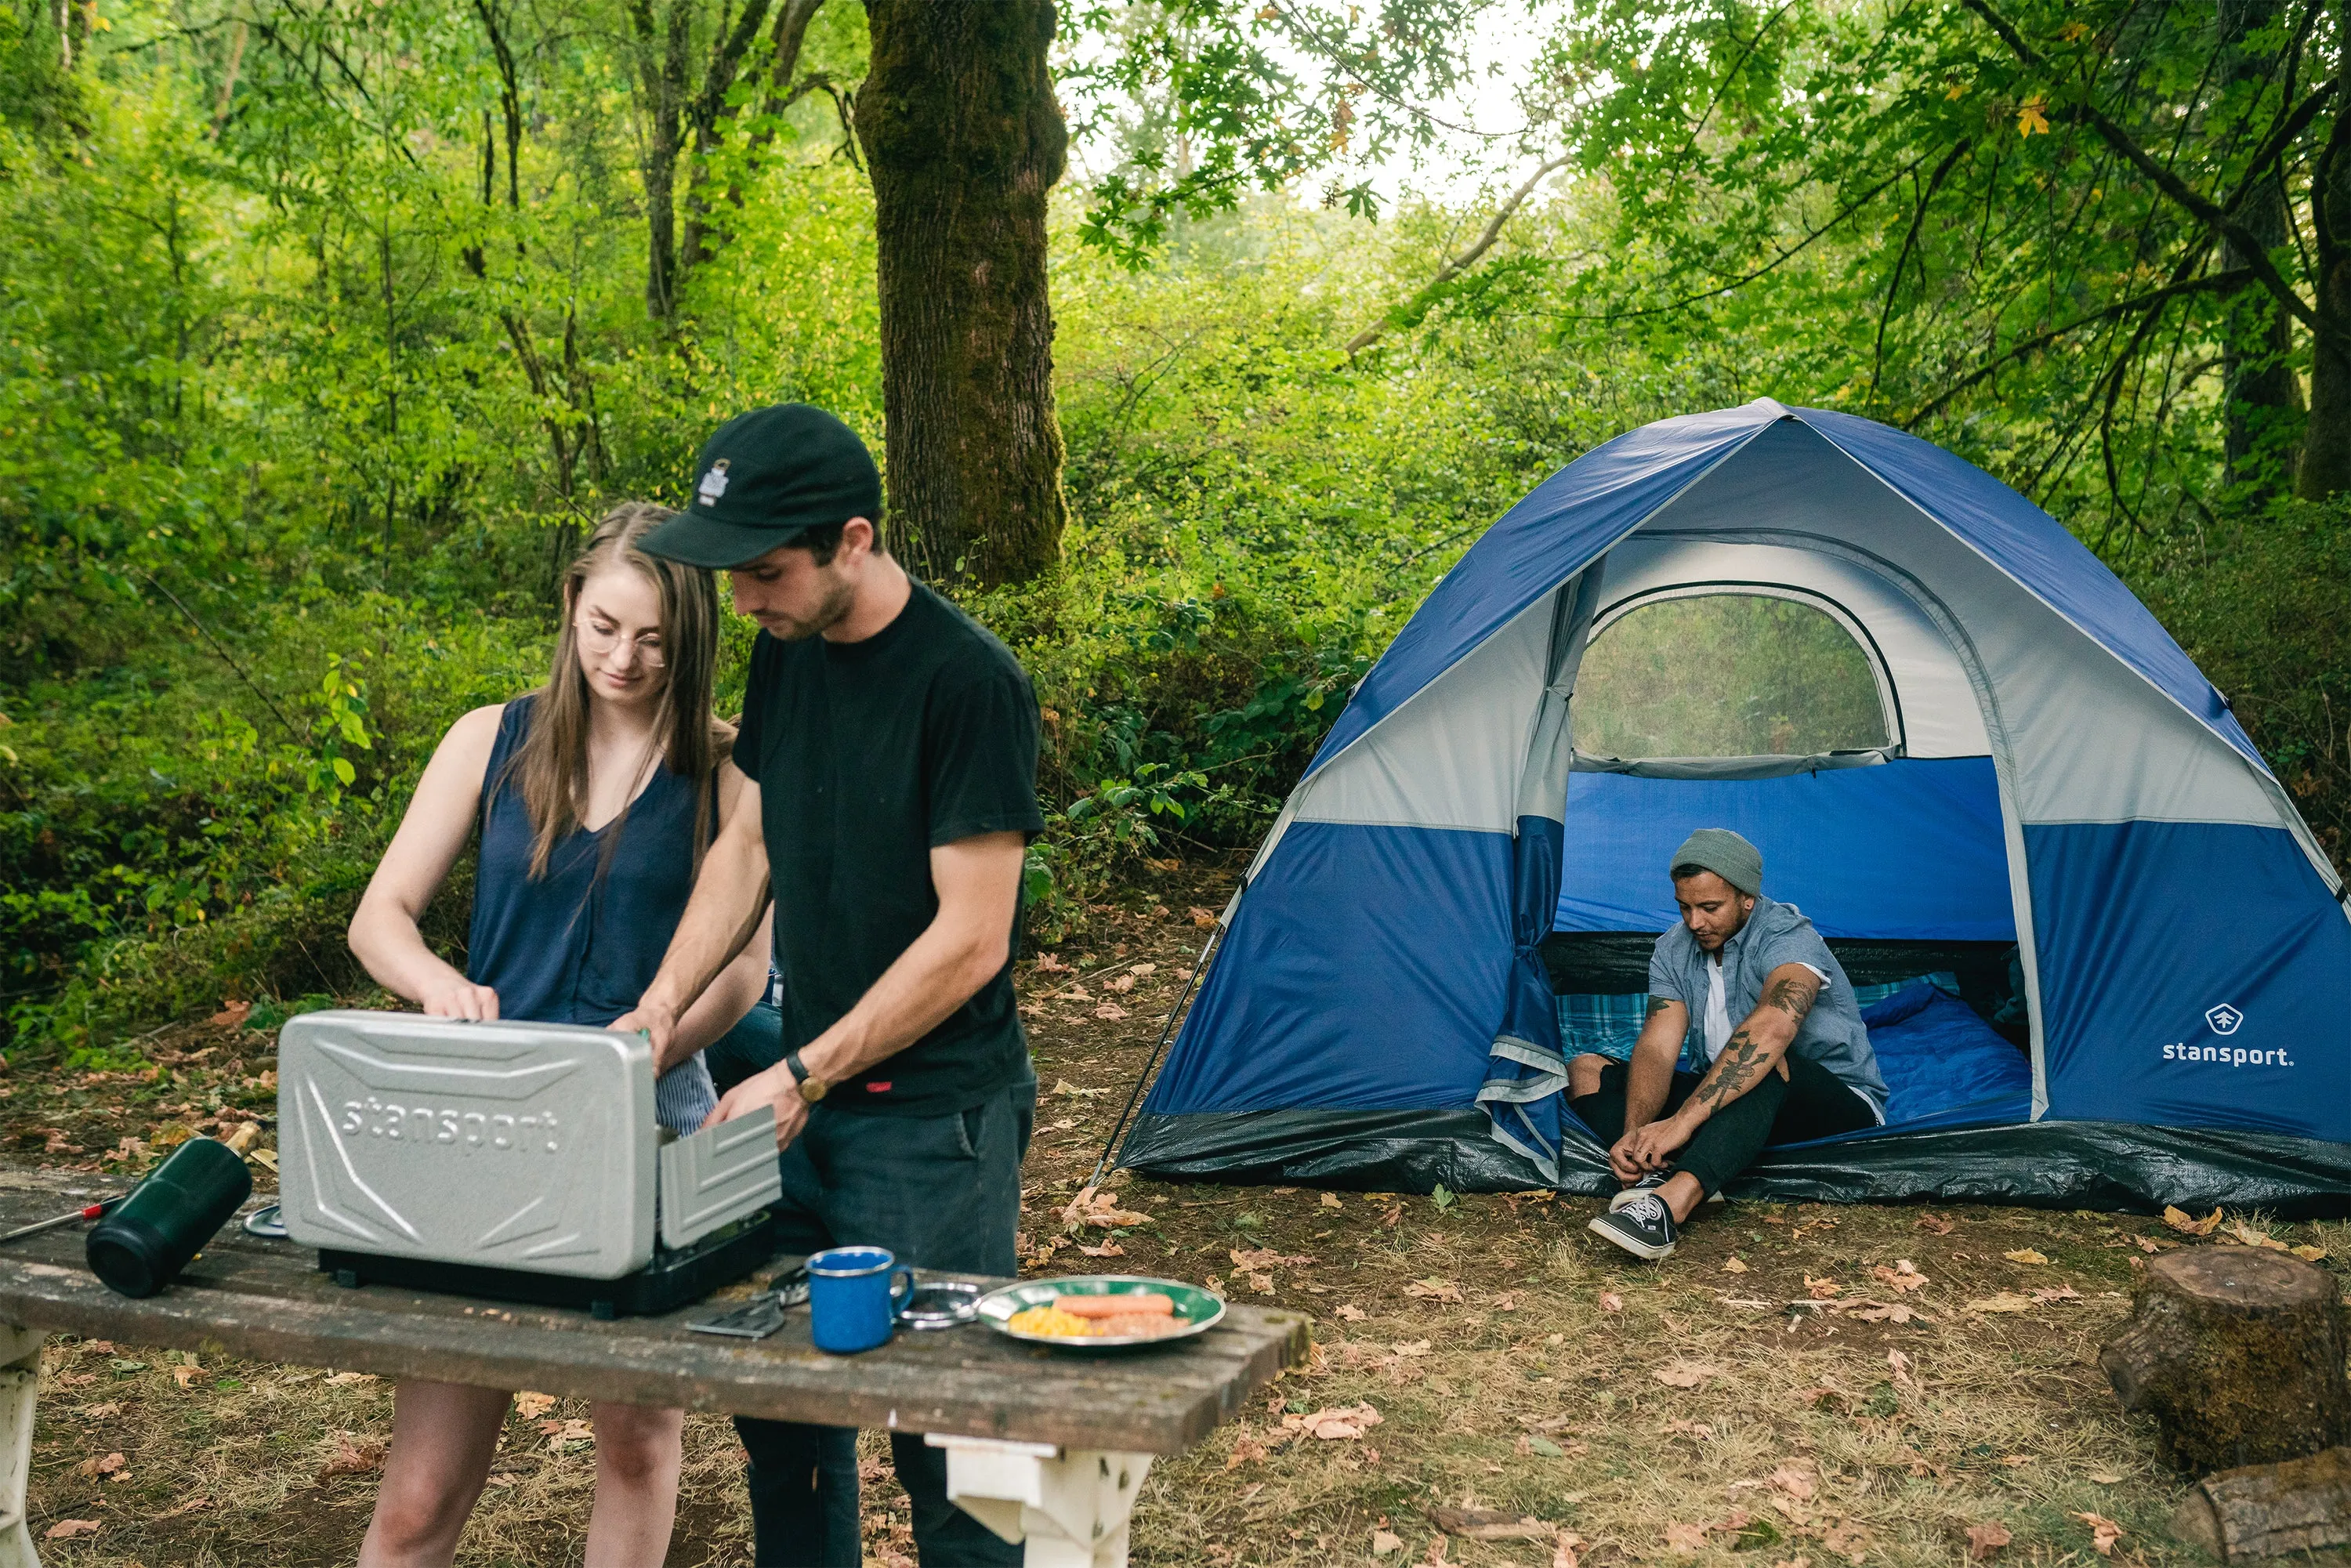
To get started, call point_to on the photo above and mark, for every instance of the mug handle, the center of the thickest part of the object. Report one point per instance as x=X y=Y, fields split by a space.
x=900 y=1295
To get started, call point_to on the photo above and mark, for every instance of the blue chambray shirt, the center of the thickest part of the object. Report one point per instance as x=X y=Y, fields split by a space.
x=1775 y=933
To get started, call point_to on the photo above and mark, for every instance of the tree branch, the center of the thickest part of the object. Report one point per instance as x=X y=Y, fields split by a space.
x=2214 y=218
x=2220 y=282
x=1468 y=258
x=1917 y=222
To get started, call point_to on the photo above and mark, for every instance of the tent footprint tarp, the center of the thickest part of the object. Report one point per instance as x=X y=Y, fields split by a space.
x=2044 y=765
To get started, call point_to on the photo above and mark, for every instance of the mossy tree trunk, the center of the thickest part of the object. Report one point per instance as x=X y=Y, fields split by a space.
x=2238 y=1353
x=964 y=140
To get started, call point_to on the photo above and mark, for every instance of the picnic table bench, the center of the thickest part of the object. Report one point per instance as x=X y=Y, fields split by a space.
x=1044 y=1445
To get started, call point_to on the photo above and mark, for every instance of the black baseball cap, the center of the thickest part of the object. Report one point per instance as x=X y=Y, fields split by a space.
x=766 y=478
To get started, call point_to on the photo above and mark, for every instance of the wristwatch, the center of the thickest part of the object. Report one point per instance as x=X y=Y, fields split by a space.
x=811 y=1087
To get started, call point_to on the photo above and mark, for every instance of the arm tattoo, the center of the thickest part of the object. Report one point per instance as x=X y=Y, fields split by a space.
x=1656 y=1006
x=1733 y=1070
x=1794 y=997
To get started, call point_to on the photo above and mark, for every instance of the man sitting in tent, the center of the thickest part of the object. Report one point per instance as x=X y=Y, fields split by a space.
x=1799 y=1065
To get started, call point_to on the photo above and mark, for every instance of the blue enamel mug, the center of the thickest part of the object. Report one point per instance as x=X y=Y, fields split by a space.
x=855 y=1294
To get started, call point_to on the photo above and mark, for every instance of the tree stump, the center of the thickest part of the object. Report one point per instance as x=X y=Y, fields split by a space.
x=2238 y=1353
x=2271 y=1510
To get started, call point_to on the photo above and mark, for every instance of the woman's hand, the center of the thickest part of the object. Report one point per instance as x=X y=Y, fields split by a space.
x=458 y=997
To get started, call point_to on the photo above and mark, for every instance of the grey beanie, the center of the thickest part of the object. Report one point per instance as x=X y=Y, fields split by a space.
x=1725 y=853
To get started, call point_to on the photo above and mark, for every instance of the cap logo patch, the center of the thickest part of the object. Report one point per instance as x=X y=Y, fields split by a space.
x=714 y=484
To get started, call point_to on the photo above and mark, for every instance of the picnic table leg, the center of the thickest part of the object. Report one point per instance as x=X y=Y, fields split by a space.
x=1070 y=1505
x=20 y=1382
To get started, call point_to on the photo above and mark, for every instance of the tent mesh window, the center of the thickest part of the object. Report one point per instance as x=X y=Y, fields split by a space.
x=1727 y=674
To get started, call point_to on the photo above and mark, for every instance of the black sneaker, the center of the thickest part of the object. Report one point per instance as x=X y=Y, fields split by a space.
x=1649 y=1183
x=1645 y=1226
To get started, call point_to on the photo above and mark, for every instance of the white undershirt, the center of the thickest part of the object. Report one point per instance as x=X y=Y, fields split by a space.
x=1717 y=1010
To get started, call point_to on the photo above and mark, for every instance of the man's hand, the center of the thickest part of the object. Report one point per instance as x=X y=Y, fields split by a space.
x=776 y=1087
x=658 y=1022
x=1649 y=1148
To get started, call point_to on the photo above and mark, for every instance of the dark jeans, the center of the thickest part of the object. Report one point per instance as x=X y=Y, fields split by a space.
x=941 y=1192
x=755 y=1044
x=1811 y=1103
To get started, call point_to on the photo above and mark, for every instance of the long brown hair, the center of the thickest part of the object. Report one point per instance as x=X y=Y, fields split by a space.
x=550 y=767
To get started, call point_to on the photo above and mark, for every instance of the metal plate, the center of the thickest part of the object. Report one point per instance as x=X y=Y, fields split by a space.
x=511 y=1145
x=717 y=1175
x=1199 y=1309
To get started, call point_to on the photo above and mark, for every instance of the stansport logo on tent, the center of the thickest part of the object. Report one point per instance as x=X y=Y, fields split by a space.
x=2225 y=1020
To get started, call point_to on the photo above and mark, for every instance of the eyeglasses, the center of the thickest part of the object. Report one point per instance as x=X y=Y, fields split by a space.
x=601 y=643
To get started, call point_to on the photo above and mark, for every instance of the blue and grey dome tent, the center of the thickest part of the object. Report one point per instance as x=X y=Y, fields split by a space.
x=2047 y=799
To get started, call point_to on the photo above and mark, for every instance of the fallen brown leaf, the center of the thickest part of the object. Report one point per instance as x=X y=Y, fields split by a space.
x=1733 y=1266
x=1351 y=1312
x=1795 y=1480
x=1847 y=1539
x=1107 y=1249
x=187 y=1374
x=1435 y=1290
x=1903 y=1276
x=2005 y=1301
x=530 y=1407
x=1334 y=1425
x=2179 y=1220
x=1384 y=1542
x=1900 y=1364
x=67 y=1529
x=1685 y=1538
x=2104 y=1532
x=346 y=1378
x=1821 y=1289
x=2308 y=1253
x=1987 y=1538
x=94 y=1468
x=1331 y=1200
x=232 y=1015
x=2025 y=1255
x=354 y=1455
x=1565 y=1551
x=2150 y=1244
x=1681 y=1373
x=1610 y=1301
x=1934 y=1222
x=1490 y=1524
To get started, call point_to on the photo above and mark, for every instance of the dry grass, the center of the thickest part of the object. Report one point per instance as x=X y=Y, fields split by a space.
x=1536 y=1394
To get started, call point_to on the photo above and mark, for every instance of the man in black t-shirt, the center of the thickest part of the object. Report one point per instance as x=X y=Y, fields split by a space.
x=888 y=745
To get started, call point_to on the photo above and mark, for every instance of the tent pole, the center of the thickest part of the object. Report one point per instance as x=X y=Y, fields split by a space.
x=1119 y=1127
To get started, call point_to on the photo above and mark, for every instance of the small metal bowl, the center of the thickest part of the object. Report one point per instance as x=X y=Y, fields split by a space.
x=944 y=1305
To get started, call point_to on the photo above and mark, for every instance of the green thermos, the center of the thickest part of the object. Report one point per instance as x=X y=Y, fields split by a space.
x=143 y=1246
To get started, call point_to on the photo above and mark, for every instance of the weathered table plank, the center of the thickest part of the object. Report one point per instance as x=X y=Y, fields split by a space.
x=266 y=1301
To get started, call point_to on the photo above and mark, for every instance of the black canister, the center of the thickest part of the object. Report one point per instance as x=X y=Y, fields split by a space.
x=143 y=1246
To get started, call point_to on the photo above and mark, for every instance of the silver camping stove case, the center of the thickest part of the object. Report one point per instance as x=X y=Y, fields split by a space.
x=499 y=1149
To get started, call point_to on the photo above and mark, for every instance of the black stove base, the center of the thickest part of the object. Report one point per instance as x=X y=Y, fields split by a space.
x=672 y=1280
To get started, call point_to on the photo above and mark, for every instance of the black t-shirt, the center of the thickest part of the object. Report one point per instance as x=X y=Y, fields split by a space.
x=868 y=756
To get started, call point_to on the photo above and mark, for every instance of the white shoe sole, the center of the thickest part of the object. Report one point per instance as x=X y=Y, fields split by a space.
x=1645 y=1250
x=1630 y=1193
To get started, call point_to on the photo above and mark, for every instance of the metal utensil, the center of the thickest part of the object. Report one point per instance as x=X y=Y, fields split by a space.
x=763 y=1314
x=88 y=1211
x=940 y=1305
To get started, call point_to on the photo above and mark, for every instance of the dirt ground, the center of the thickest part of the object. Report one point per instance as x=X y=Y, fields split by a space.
x=1798 y=1387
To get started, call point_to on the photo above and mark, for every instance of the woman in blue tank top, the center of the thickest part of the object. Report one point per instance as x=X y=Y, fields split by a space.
x=595 y=797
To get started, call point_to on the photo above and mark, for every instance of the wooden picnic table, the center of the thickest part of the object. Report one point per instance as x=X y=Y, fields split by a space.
x=1046 y=1446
